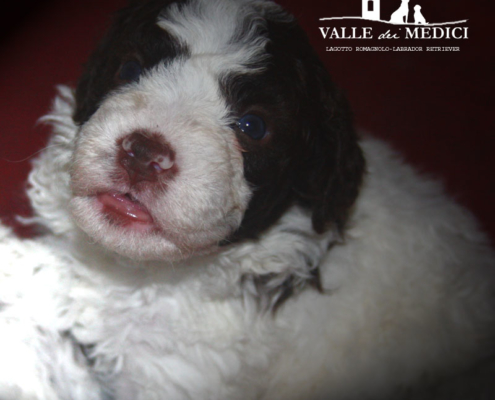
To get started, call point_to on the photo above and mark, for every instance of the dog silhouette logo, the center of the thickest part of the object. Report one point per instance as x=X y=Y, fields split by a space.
x=400 y=15
x=418 y=17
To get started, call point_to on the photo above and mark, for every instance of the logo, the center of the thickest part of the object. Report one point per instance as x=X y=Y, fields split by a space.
x=371 y=12
x=406 y=22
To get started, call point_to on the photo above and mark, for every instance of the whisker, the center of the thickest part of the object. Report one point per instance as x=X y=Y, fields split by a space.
x=32 y=155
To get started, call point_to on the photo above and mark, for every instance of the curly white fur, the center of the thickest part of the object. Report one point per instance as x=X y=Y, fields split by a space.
x=408 y=295
x=90 y=311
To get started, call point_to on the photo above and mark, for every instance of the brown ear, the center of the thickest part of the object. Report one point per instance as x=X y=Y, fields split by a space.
x=132 y=34
x=328 y=181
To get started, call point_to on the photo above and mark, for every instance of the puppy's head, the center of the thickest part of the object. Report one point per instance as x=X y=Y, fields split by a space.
x=201 y=122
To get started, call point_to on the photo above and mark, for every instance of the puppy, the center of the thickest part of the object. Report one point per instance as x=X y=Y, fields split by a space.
x=213 y=232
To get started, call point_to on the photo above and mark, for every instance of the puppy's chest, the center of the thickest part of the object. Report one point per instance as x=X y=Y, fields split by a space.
x=154 y=319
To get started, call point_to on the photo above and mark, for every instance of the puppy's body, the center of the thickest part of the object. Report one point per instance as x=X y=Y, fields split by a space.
x=232 y=279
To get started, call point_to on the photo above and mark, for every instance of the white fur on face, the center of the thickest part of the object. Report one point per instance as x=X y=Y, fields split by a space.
x=206 y=199
x=181 y=102
x=213 y=28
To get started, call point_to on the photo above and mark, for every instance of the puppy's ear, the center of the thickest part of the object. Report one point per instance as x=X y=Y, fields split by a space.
x=330 y=174
x=330 y=178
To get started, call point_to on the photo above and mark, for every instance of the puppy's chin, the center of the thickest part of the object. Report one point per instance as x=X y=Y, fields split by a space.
x=130 y=230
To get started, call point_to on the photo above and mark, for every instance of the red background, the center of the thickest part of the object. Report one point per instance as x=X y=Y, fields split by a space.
x=436 y=108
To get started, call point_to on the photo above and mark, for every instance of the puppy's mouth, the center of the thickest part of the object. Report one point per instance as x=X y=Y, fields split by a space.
x=124 y=210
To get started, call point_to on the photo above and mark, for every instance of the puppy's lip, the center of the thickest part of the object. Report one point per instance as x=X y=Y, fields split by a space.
x=123 y=208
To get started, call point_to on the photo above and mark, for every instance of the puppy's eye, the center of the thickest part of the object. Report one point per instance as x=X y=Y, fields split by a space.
x=253 y=126
x=130 y=71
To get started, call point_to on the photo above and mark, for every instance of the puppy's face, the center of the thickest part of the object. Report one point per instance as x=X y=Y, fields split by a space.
x=198 y=128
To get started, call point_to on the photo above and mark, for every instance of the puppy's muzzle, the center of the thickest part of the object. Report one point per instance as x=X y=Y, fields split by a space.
x=146 y=157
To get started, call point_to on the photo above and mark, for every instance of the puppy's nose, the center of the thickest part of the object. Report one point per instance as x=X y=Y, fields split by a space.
x=146 y=157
